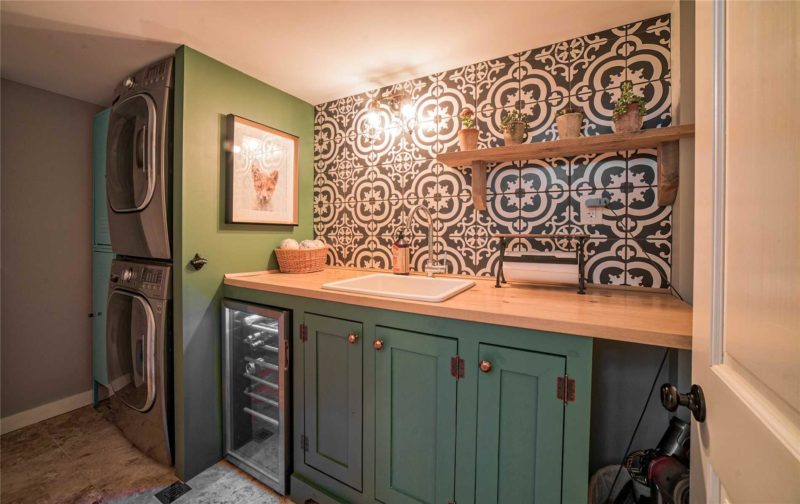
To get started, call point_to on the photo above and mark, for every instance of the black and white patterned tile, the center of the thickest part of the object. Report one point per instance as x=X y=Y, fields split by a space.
x=597 y=61
x=368 y=176
x=544 y=73
x=648 y=50
x=544 y=212
x=540 y=175
x=606 y=260
x=456 y=90
x=598 y=171
x=644 y=218
x=497 y=83
x=648 y=263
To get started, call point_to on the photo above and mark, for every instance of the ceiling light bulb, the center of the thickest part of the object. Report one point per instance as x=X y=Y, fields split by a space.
x=374 y=114
x=374 y=119
x=407 y=109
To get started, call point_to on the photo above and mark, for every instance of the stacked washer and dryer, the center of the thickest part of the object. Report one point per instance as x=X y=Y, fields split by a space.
x=139 y=310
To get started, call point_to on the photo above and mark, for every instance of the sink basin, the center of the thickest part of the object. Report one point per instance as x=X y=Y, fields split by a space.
x=417 y=288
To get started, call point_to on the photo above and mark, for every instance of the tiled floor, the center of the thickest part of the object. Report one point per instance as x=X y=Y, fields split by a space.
x=81 y=457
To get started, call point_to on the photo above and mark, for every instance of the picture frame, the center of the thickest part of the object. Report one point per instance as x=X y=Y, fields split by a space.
x=262 y=173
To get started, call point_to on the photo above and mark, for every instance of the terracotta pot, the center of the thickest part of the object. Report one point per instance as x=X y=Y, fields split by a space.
x=569 y=125
x=468 y=139
x=629 y=121
x=515 y=133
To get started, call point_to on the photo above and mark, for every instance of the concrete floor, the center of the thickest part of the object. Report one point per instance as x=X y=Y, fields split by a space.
x=81 y=457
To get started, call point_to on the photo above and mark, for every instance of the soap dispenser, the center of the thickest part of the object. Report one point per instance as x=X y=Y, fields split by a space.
x=401 y=255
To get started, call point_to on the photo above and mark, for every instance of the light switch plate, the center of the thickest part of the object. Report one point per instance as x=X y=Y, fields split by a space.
x=591 y=215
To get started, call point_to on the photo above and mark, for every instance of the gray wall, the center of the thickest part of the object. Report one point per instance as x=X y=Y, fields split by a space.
x=683 y=110
x=45 y=334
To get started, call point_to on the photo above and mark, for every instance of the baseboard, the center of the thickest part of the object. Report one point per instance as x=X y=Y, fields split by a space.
x=45 y=411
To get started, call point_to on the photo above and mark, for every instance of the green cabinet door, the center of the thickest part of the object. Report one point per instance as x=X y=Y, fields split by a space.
x=415 y=418
x=520 y=427
x=333 y=398
x=101 y=271
x=100 y=233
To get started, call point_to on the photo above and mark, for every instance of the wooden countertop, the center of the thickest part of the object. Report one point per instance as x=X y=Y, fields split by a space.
x=615 y=314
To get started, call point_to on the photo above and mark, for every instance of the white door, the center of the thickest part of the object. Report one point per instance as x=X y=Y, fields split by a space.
x=746 y=352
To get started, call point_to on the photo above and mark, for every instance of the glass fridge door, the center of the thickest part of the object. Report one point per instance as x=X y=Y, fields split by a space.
x=256 y=361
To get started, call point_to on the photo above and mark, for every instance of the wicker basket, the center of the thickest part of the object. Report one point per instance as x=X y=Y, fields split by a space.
x=301 y=260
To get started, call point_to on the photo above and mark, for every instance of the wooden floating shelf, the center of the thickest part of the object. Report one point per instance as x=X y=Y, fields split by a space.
x=663 y=139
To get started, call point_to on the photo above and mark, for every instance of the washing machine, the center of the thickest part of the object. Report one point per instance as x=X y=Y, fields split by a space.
x=138 y=174
x=139 y=354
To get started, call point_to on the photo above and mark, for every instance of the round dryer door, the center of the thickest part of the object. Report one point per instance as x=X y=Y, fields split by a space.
x=131 y=154
x=131 y=351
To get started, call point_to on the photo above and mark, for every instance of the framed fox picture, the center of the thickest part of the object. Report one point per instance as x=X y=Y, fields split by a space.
x=262 y=173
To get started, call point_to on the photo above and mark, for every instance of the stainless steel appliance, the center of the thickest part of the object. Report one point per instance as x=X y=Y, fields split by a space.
x=255 y=390
x=138 y=163
x=138 y=337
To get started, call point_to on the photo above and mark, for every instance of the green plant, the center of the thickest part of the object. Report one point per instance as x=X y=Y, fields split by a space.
x=467 y=117
x=511 y=117
x=627 y=98
x=568 y=110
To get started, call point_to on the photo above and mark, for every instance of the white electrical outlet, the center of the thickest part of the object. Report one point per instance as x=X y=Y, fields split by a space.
x=591 y=215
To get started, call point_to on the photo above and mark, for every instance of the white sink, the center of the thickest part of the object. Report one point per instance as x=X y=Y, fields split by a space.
x=417 y=288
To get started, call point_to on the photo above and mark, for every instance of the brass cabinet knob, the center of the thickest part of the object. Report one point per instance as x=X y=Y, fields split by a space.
x=377 y=344
x=485 y=366
x=352 y=338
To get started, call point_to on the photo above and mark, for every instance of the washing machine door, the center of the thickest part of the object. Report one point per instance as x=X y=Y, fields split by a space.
x=131 y=161
x=131 y=349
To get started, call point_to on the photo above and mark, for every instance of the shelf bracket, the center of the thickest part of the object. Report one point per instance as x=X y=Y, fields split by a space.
x=668 y=172
x=479 y=184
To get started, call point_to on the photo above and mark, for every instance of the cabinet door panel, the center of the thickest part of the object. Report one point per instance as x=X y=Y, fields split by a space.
x=520 y=427
x=415 y=417
x=101 y=271
x=333 y=398
x=100 y=234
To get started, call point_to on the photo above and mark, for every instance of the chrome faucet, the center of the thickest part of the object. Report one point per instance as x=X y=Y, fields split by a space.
x=432 y=264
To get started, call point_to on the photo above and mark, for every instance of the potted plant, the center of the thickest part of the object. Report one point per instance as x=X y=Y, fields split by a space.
x=468 y=134
x=569 y=122
x=629 y=110
x=514 y=126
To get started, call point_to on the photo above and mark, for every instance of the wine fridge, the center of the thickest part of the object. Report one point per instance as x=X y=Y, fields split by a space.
x=256 y=390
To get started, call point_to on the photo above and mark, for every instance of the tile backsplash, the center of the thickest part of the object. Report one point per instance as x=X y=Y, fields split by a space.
x=368 y=179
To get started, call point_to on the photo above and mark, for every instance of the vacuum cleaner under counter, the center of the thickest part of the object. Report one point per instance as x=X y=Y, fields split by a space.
x=608 y=313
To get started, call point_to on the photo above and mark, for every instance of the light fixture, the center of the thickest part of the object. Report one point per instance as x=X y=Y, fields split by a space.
x=400 y=108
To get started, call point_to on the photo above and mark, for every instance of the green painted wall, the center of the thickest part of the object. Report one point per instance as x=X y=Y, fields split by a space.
x=206 y=91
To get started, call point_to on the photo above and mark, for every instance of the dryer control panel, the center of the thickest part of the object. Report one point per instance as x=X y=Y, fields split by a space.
x=151 y=279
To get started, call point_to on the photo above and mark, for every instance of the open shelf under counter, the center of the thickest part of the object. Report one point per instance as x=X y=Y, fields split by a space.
x=665 y=140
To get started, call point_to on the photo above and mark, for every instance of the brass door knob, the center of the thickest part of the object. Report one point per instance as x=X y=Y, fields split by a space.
x=485 y=366
x=377 y=344
x=352 y=338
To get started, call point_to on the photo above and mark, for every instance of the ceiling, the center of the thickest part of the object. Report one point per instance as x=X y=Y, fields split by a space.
x=317 y=51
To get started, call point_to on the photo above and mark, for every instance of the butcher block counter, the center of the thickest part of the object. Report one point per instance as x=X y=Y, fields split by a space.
x=616 y=314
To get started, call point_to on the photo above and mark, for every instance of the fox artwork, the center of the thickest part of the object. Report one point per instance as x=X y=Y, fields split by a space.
x=264 y=185
x=262 y=169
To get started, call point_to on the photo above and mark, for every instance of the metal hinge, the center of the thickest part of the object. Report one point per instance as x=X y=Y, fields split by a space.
x=457 y=367
x=303 y=333
x=304 y=442
x=565 y=389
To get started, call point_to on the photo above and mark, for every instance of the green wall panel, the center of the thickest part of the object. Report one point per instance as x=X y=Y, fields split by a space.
x=206 y=91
